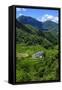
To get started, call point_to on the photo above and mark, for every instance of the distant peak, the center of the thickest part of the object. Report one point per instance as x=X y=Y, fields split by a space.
x=49 y=21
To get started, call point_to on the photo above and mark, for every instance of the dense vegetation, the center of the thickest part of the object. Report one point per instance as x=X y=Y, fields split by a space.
x=30 y=40
x=28 y=69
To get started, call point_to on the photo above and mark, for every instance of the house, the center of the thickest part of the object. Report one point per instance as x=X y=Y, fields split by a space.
x=39 y=54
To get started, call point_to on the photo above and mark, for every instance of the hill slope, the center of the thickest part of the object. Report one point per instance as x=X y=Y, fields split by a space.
x=31 y=36
x=29 y=20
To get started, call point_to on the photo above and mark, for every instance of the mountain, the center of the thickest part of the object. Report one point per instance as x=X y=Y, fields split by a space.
x=29 y=20
x=43 y=26
x=52 y=28
x=49 y=25
x=26 y=28
x=28 y=34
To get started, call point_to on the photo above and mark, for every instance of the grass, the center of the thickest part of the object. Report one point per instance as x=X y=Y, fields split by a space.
x=29 y=69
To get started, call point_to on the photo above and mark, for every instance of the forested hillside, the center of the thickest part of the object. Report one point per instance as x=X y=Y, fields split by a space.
x=32 y=38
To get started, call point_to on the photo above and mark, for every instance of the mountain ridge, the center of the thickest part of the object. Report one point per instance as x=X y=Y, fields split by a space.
x=37 y=24
x=29 y=35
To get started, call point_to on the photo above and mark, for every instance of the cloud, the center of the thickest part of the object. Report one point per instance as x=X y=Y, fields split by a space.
x=23 y=9
x=20 y=9
x=48 y=17
x=20 y=14
x=17 y=15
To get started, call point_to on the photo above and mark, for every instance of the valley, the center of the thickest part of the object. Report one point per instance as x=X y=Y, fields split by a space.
x=32 y=37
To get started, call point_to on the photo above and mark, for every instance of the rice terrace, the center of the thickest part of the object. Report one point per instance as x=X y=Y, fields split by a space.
x=37 y=45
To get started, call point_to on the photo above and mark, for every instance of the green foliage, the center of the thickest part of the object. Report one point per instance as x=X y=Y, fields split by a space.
x=29 y=41
x=32 y=36
x=28 y=69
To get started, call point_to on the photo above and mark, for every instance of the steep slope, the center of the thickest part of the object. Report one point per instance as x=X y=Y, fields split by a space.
x=50 y=25
x=31 y=36
x=29 y=20
x=53 y=29
x=43 y=26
